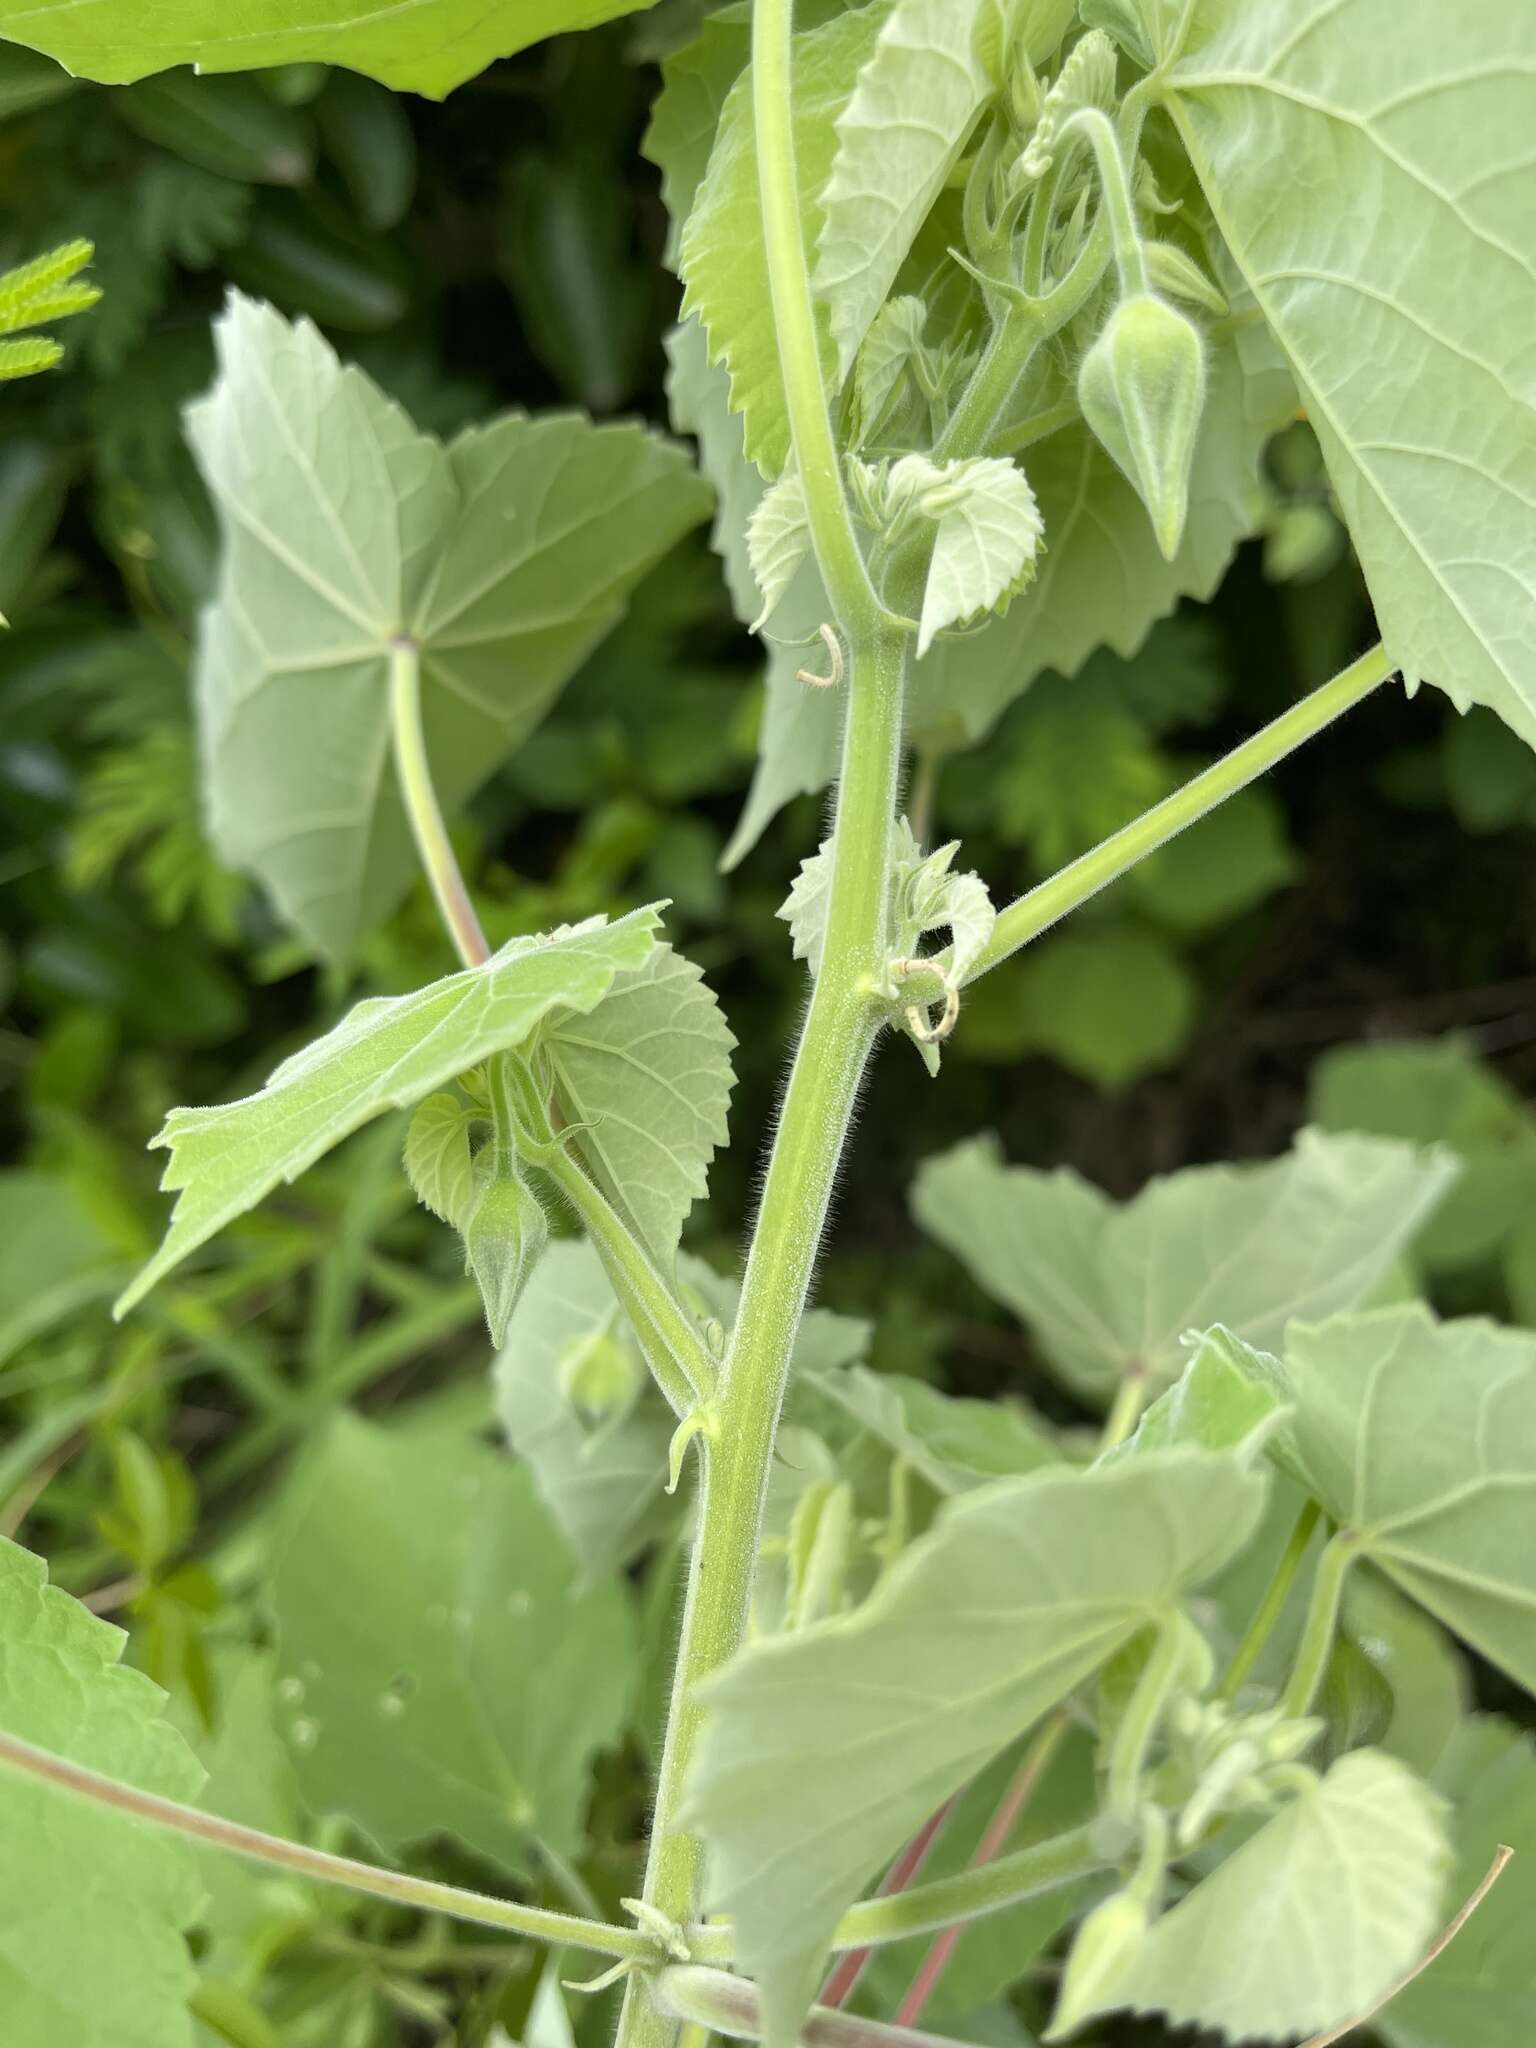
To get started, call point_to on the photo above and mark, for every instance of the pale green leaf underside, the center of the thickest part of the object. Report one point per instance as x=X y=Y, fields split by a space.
x=442 y=1672
x=425 y=46
x=602 y=1482
x=723 y=263
x=650 y=1071
x=1019 y=1591
x=386 y=1053
x=1213 y=1405
x=1421 y=1437
x=1311 y=1920
x=438 y=1160
x=505 y=556
x=1395 y=262
x=984 y=548
x=914 y=105
x=954 y=1443
x=1109 y=1289
x=92 y=1907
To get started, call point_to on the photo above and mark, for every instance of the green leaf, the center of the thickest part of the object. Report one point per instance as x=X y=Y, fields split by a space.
x=93 y=1905
x=1440 y=1092
x=986 y=537
x=1422 y=1669
x=825 y=1750
x=425 y=46
x=650 y=1070
x=955 y=1444
x=723 y=263
x=600 y=1480
x=1419 y=1438
x=1212 y=1406
x=1109 y=1289
x=345 y=529
x=912 y=109
x=54 y=1255
x=1111 y=1003
x=1481 y=1991
x=386 y=1053
x=442 y=1672
x=925 y=897
x=778 y=541
x=1433 y=455
x=1311 y=1919
x=438 y=1163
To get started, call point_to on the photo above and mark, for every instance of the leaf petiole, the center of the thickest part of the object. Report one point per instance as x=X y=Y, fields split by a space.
x=421 y=806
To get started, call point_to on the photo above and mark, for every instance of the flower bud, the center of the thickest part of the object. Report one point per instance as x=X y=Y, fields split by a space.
x=1142 y=390
x=1107 y=1944
x=507 y=1232
x=599 y=1374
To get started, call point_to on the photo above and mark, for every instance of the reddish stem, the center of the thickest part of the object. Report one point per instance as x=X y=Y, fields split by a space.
x=998 y=1829
x=849 y=1968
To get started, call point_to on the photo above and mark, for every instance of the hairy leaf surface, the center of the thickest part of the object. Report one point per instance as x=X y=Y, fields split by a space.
x=505 y=557
x=425 y=46
x=1406 y=312
x=386 y=1053
x=1112 y=1289
x=650 y=1070
x=1309 y=1921
x=442 y=1672
x=92 y=1905
x=1420 y=1438
x=1019 y=1591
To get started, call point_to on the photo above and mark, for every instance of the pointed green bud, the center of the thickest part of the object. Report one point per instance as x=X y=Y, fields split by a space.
x=1106 y=1946
x=1142 y=390
x=507 y=1232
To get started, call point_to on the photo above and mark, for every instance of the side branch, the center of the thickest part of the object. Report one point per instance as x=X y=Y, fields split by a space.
x=211 y=1831
x=1036 y=912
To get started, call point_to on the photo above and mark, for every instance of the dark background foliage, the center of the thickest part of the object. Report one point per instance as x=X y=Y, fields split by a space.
x=501 y=250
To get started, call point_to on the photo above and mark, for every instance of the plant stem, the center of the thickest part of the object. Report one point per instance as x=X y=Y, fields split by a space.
x=1021 y=1789
x=729 y=2005
x=1321 y=1623
x=971 y=1894
x=839 y=1029
x=1031 y=914
x=843 y=1978
x=1125 y=235
x=1270 y=1608
x=421 y=806
x=211 y=1831
x=1125 y=1409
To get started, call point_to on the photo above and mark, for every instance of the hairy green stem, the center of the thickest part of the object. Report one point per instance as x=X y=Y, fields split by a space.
x=1139 y=1723
x=971 y=1894
x=1272 y=1606
x=421 y=806
x=673 y=1347
x=1031 y=914
x=210 y=1830
x=1119 y=207
x=1321 y=1625
x=839 y=1029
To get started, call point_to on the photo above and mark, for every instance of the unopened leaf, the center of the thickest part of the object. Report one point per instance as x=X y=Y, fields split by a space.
x=1110 y=1289
x=1311 y=1920
x=442 y=1671
x=504 y=557
x=386 y=1053
x=438 y=1163
x=822 y=1752
x=778 y=541
x=984 y=547
x=92 y=1905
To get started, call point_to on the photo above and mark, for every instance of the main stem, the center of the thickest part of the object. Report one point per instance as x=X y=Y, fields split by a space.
x=839 y=1029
